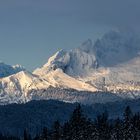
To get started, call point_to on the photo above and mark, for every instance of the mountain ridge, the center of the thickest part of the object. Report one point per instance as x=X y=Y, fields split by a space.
x=111 y=64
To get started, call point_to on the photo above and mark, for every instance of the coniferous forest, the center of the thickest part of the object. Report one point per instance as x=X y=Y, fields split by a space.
x=79 y=127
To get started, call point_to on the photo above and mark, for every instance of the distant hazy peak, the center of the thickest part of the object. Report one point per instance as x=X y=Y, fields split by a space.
x=18 y=66
x=86 y=46
x=7 y=70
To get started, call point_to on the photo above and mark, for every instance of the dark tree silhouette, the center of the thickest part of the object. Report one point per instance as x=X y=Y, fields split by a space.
x=56 y=134
x=26 y=135
x=103 y=126
x=128 y=125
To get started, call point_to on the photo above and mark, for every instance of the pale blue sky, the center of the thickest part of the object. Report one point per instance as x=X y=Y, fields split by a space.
x=32 y=30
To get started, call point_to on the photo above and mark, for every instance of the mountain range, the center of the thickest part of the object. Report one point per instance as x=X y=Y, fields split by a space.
x=107 y=70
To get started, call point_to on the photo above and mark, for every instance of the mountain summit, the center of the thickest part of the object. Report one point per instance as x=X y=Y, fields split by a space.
x=75 y=62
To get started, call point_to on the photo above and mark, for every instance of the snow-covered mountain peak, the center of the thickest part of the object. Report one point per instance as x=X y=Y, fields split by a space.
x=7 y=70
x=17 y=66
x=59 y=60
x=58 y=56
x=76 y=62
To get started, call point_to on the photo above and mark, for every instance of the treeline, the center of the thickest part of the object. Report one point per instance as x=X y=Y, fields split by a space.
x=79 y=127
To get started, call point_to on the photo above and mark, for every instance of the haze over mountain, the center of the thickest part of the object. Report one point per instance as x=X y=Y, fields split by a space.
x=106 y=70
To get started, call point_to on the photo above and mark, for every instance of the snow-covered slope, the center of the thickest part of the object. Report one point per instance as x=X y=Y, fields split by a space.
x=15 y=88
x=107 y=70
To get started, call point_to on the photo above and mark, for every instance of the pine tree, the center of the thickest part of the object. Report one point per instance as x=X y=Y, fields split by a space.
x=91 y=131
x=27 y=136
x=103 y=126
x=136 y=126
x=44 y=135
x=77 y=124
x=128 y=125
x=117 y=132
x=79 y=127
x=37 y=138
x=66 y=131
x=56 y=134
